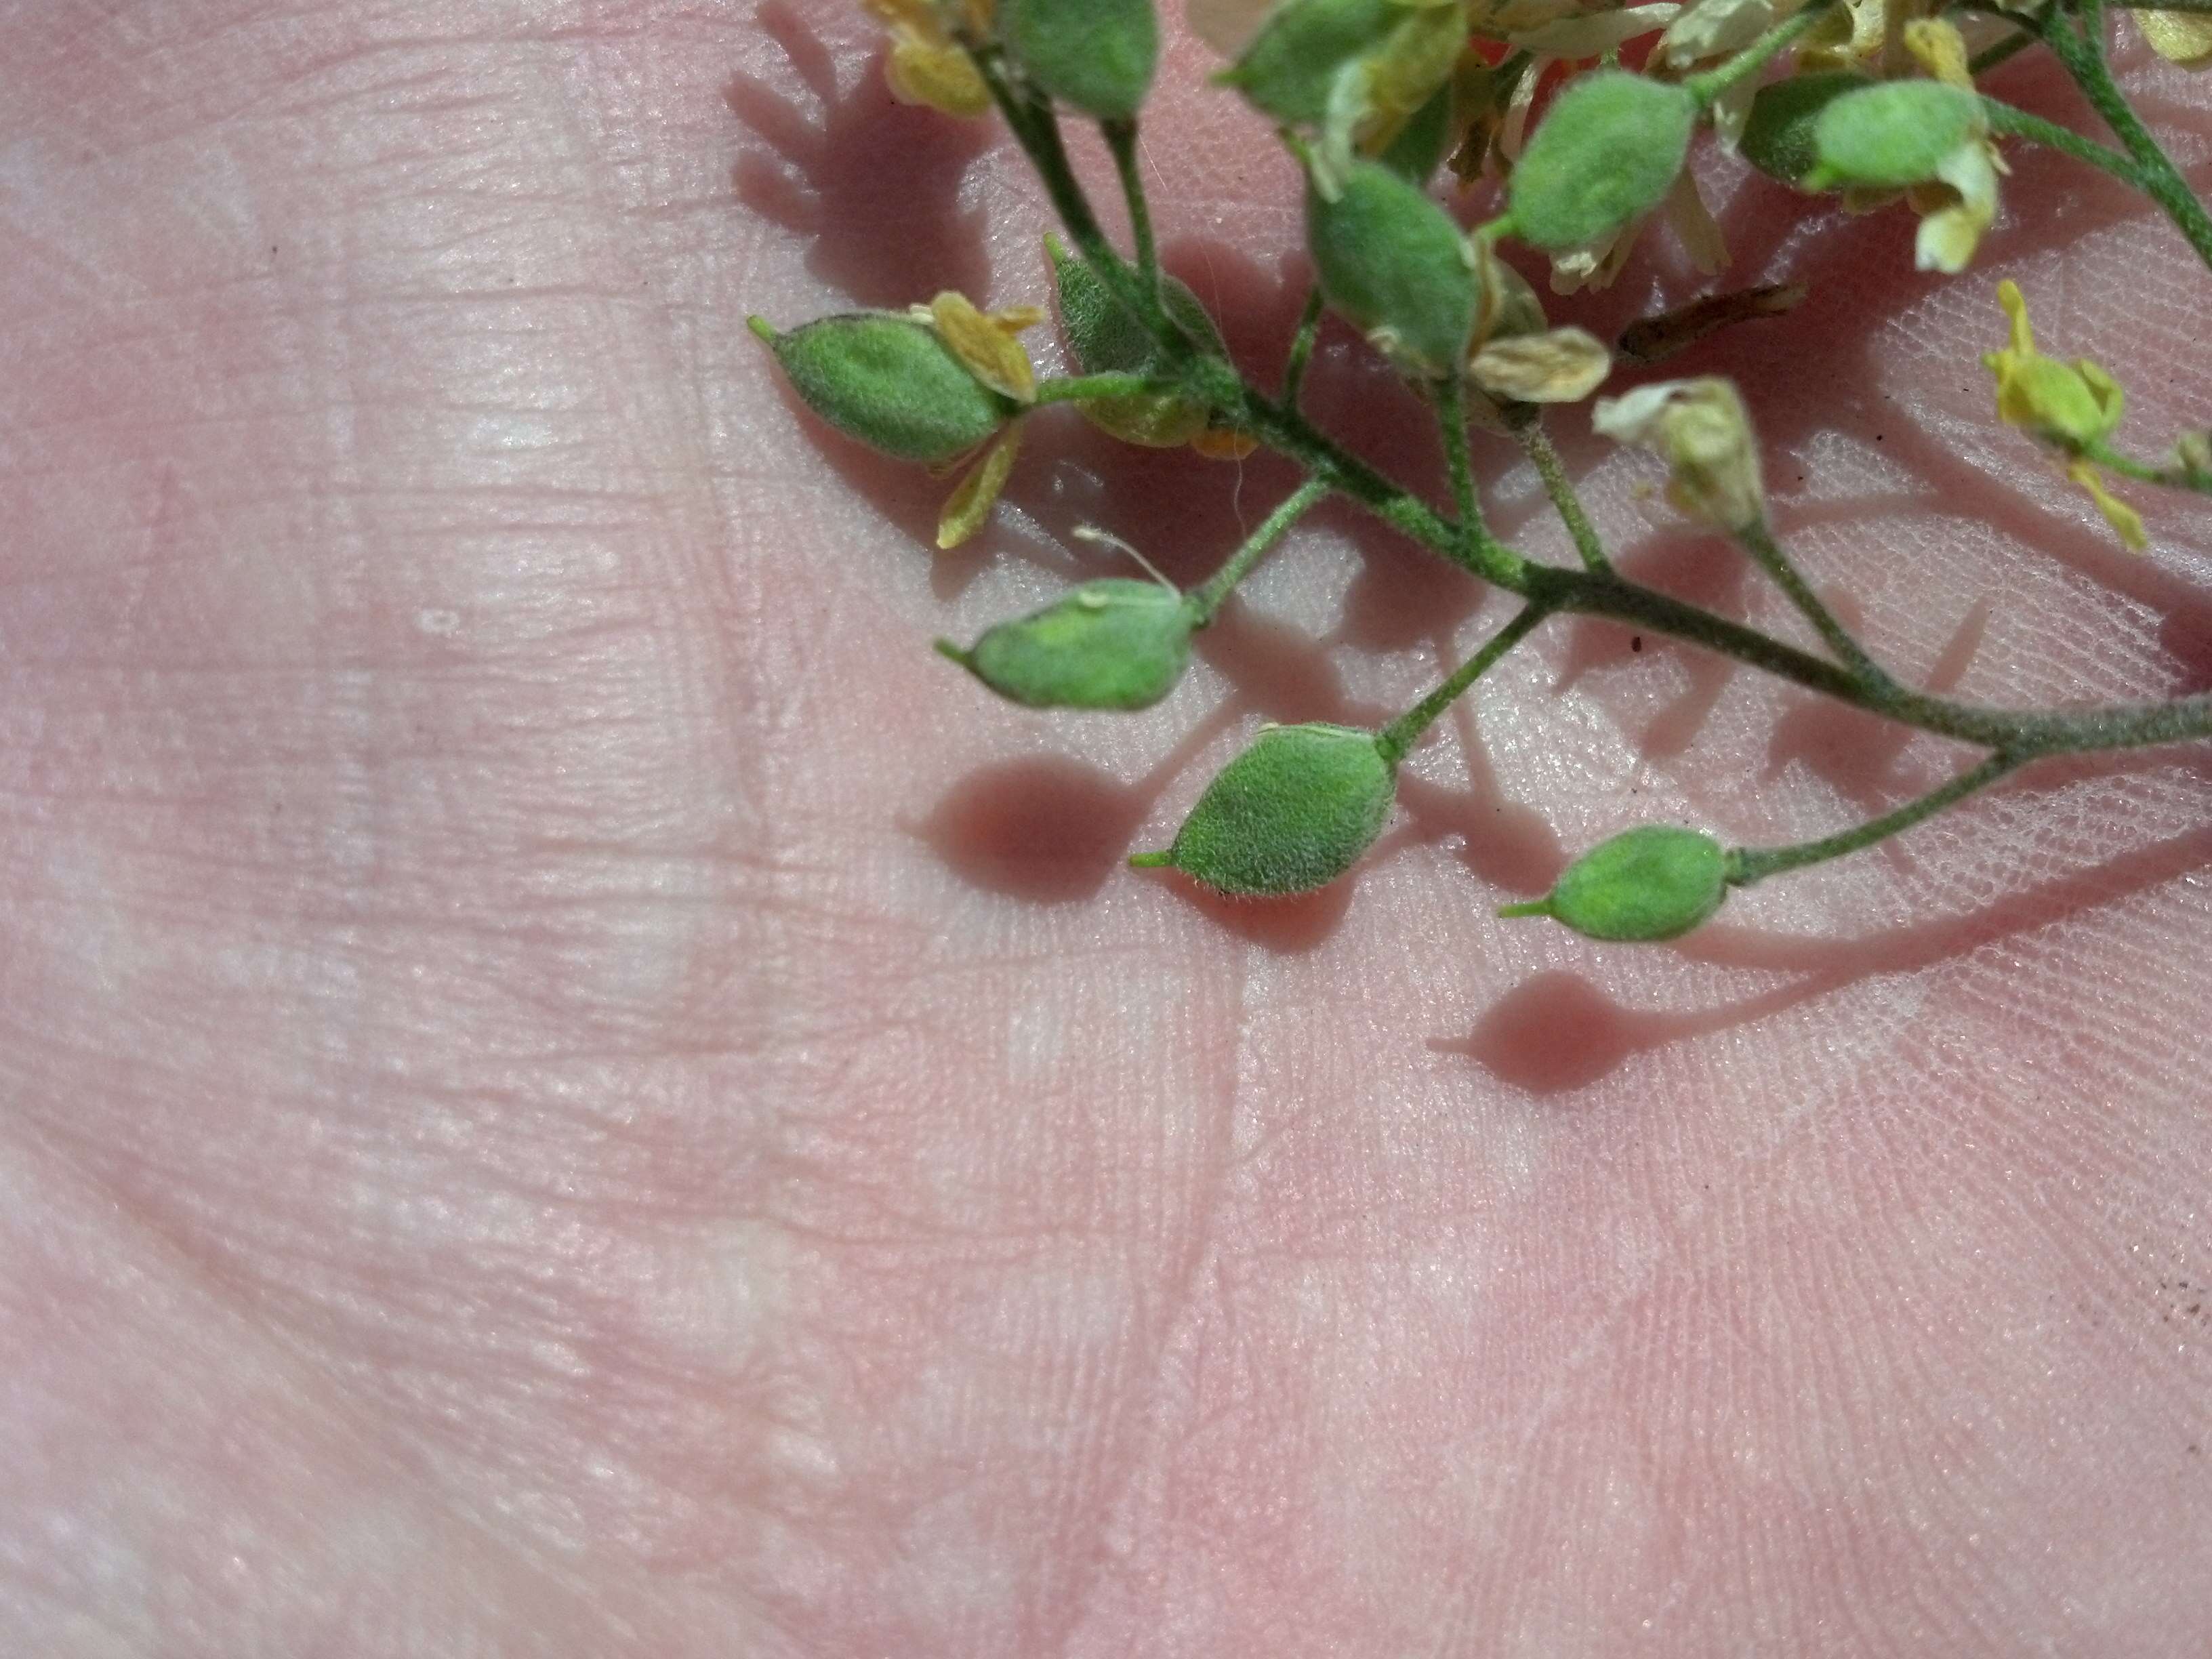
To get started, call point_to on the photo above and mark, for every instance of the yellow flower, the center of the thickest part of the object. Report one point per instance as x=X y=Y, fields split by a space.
x=986 y=345
x=926 y=65
x=2072 y=409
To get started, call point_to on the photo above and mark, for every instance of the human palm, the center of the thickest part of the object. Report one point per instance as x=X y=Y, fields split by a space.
x=568 y=1088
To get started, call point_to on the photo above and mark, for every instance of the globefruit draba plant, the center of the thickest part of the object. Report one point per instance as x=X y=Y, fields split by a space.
x=1875 y=101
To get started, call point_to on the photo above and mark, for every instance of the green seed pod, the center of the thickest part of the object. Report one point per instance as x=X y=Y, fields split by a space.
x=1893 y=135
x=1097 y=56
x=1609 y=152
x=1291 y=69
x=1395 y=265
x=889 y=381
x=1651 y=884
x=1778 y=133
x=1105 y=339
x=1110 y=644
x=1293 y=812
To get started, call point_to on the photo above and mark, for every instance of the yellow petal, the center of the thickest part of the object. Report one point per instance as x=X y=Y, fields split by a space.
x=991 y=354
x=2179 y=37
x=2117 y=514
x=1013 y=319
x=971 y=502
x=1561 y=366
x=2014 y=304
x=923 y=72
x=1938 y=47
x=1956 y=210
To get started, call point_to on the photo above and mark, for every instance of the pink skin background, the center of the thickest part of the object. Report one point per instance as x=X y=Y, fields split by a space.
x=566 y=1087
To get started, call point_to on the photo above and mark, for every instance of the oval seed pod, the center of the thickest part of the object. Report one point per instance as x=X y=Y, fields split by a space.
x=1097 y=56
x=1651 y=884
x=1290 y=70
x=1606 y=153
x=1394 y=265
x=1105 y=339
x=1778 y=133
x=1293 y=812
x=889 y=381
x=1893 y=135
x=1115 y=643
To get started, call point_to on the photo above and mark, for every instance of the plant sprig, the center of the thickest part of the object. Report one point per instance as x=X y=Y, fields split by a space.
x=1371 y=97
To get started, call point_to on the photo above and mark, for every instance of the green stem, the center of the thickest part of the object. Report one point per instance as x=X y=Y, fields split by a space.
x=1121 y=139
x=1301 y=347
x=1708 y=86
x=1402 y=734
x=2172 y=477
x=1206 y=599
x=1536 y=444
x=1747 y=865
x=1083 y=388
x=2084 y=55
x=1451 y=420
x=2005 y=50
x=1757 y=540
x=2019 y=124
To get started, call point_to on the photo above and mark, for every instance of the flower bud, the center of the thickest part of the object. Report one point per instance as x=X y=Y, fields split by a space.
x=1393 y=263
x=890 y=382
x=1777 y=137
x=1893 y=135
x=1651 y=884
x=1103 y=338
x=1113 y=643
x=1293 y=812
x=1606 y=153
x=1699 y=428
x=1097 y=56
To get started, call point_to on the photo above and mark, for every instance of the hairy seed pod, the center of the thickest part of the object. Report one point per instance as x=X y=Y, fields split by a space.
x=1651 y=884
x=1113 y=643
x=1293 y=812
x=1097 y=56
x=1393 y=263
x=1607 y=153
x=889 y=381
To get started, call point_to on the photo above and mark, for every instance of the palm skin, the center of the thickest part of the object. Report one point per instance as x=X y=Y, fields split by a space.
x=566 y=1088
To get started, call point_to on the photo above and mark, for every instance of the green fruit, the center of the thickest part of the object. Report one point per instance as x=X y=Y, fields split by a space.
x=1607 y=153
x=1418 y=149
x=1097 y=56
x=1110 y=644
x=1293 y=812
x=1778 y=135
x=1396 y=266
x=1290 y=70
x=1651 y=884
x=1893 y=135
x=889 y=381
x=1104 y=338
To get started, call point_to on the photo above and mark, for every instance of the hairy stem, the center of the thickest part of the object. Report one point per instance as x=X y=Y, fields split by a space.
x=2019 y=124
x=1451 y=422
x=1402 y=734
x=1747 y=865
x=2082 y=53
x=1528 y=425
x=1121 y=139
x=1206 y=599
x=1757 y=540
x=2173 y=478
x=1084 y=388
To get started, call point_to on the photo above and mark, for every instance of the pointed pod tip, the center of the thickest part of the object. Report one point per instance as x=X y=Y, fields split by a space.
x=1542 y=907
x=1164 y=858
x=952 y=652
x=763 y=328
